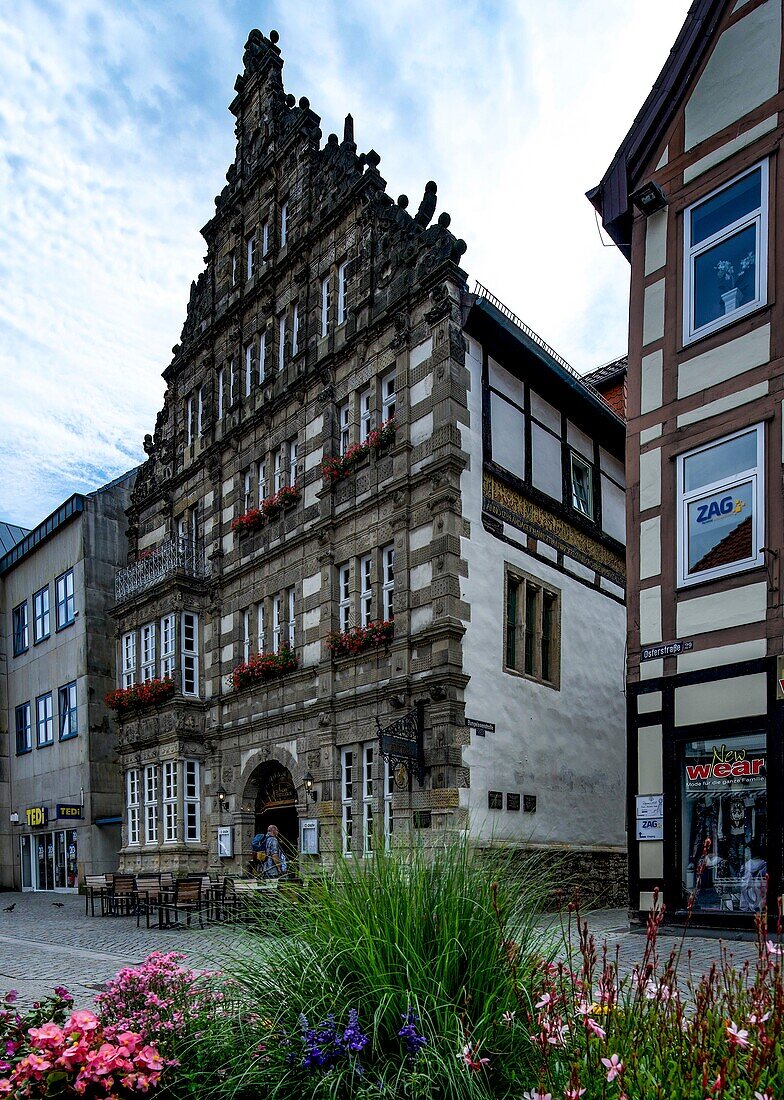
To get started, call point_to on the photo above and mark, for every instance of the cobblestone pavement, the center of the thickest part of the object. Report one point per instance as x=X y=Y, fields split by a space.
x=47 y=940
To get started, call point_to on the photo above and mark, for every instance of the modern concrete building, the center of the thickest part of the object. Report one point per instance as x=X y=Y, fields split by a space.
x=60 y=788
x=376 y=568
x=693 y=199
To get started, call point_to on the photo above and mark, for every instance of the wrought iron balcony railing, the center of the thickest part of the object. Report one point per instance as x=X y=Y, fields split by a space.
x=178 y=555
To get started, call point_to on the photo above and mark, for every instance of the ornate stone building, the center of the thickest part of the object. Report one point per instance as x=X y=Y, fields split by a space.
x=300 y=536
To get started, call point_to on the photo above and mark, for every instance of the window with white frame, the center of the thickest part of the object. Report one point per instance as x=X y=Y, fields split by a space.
x=261 y=626
x=325 y=305
x=389 y=809
x=291 y=447
x=291 y=632
x=220 y=394
x=366 y=589
x=342 y=296
x=277 y=622
x=388 y=396
x=132 y=802
x=250 y=256
x=189 y=420
x=721 y=501
x=247 y=491
x=263 y=356
x=365 y=415
x=344 y=597
x=284 y=223
x=347 y=797
x=582 y=485
x=191 y=801
x=281 y=341
x=246 y=635
x=21 y=629
x=151 y=804
x=263 y=483
x=265 y=238
x=200 y=412
x=44 y=720
x=24 y=729
x=295 y=329
x=129 y=659
x=41 y=625
x=367 y=797
x=279 y=470
x=189 y=652
x=148 y=652
x=66 y=604
x=344 y=426
x=388 y=582
x=233 y=268
x=232 y=375
x=69 y=720
x=170 y=800
x=725 y=253
x=167 y=646
x=250 y=368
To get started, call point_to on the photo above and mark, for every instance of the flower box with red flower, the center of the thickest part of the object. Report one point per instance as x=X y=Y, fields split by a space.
x=335 y=469
x=270 y=508
x=140 y=696
x=359 y=639
x=263 y=667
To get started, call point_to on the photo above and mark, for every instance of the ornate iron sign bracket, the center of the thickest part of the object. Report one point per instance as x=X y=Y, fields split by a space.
x=402 y=745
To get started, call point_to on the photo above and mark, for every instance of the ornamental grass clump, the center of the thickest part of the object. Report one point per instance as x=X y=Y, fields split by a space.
x=415 y=944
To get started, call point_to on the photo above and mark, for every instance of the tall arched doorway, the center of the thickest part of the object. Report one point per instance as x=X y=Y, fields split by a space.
x=276 y=804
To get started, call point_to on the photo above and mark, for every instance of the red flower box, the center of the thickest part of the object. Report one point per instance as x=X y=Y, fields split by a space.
x=263 y=667
x=139 y=696
x=255 y=518
x=335 y=469
x=360 y=638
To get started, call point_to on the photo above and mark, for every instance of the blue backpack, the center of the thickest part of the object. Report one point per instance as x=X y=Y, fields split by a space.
x=259 y=843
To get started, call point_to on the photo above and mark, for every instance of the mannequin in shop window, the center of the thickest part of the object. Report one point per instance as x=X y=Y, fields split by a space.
x=754 y=881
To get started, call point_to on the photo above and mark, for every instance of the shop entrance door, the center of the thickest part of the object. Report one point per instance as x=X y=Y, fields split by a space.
x=49 y=860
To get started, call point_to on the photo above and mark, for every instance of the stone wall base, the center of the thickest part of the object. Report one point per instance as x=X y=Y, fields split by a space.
x=600 y=875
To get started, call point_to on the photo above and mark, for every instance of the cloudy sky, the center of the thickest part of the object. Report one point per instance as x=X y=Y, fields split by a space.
x=115 y=138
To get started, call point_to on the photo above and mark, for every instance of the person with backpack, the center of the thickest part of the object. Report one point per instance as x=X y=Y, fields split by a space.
x=275 y=858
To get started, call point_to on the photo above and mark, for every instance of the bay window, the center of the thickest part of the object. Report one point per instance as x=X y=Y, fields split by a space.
x=388 y=583
x=720 y=488
x=191 y=801
x=151 y=804
x=148 y=652
x=170 y=804
x=189 y=652
x=167 y=646
x=132 y=803
x=347 y=797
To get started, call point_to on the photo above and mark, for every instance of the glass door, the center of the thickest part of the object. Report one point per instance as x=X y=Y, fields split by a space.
x=28 y=865
x=44 y=861
x=59 y=861
x=71 y=868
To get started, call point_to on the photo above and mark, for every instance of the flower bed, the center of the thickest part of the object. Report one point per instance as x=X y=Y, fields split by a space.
x=350 y=642
x=264 y=666
x=255 y=518
x=335 y=469
x=139 y=696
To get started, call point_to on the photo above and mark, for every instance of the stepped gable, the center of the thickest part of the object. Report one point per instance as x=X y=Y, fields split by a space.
x=279 y=151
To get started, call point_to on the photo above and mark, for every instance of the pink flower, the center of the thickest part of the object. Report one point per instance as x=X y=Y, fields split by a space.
x=613 y=1065
x=592 y=1025
x=737 y=1037
x=755 y=1020
x=546 y=999
x=472 y=1059
x=507 y=1018
x=47 y=1035
x=772 y=949
x=763 y=1095
x=534 y=1094
x=573 y=1094
x=82 y=1020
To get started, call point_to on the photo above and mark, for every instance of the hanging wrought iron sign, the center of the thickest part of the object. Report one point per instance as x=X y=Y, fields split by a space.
x=402 y=746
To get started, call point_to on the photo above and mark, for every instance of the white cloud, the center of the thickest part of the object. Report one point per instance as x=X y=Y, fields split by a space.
x=114 y=138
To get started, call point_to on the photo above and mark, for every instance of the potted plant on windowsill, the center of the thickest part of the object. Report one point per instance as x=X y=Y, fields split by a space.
x=349 y=643
x=255 y=518
x=735 y=283
x=262 y=667
x=339 y=467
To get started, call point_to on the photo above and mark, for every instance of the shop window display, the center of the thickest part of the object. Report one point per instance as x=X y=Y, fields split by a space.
x=724 y=801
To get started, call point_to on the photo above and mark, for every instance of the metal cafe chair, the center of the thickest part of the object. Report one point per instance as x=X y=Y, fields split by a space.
x=96 y=886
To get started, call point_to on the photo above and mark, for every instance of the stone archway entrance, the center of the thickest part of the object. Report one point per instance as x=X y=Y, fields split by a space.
x=275 y=803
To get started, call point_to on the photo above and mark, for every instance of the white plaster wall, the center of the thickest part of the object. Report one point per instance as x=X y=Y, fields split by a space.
x=721 y=610
x=738 y=697
x=656 y=241
x=545 y=412
x=546 y=462
x=724 y=404
x=742 y=72
x=650 y=615
x=567 y=746
x=508 y=435
x=613 y=510
x=691 y=171
x=650 y=479
x=504 y=381
x=653 y=312
x=725 y=361
x=421 y=352
x=651 y=382
x=422 y=429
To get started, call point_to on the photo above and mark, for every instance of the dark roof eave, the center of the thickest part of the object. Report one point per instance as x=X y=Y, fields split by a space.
x=579 y=388
x=611 y=196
